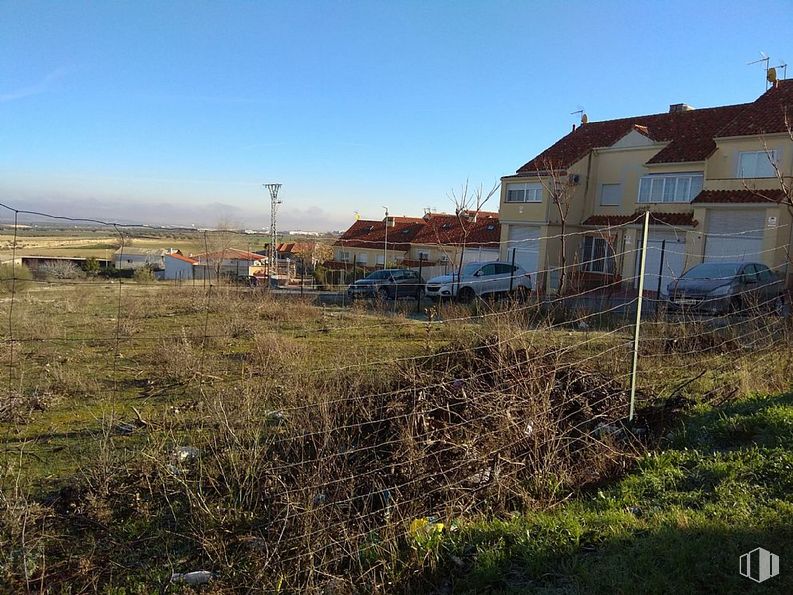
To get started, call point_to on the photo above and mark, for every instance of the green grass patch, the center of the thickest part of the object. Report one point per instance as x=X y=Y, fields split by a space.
x=676 y=524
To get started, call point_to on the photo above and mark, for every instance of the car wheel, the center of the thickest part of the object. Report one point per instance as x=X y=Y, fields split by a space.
x=466 y=295
x=382 y=294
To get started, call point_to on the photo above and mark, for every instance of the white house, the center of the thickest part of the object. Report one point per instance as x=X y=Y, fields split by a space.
x=179 y=267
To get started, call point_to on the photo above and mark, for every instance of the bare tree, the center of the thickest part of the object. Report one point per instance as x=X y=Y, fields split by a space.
x=467 y=206
x=314 y=252
x=218 y=243
x=560 y=188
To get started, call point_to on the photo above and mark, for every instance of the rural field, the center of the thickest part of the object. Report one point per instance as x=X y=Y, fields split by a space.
x=101 y=242
x=153 y=430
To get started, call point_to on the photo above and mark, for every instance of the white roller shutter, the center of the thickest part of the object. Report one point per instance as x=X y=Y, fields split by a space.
x=476 y=254
x=669 y=246
x=524 y=241
x=735 y=235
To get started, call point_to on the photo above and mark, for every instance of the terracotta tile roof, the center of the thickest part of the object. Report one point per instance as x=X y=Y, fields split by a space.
x=676 y=219
x=739 y=196
x=290 y=247
x=180 y=256
x=766 y=115
x=689 y=134
x=446 y=229
x=433 y=228
x=372 y=234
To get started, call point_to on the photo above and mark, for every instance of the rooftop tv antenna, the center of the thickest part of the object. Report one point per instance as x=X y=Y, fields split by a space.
x=584 y=117
x=767 y=60
x=272 y=263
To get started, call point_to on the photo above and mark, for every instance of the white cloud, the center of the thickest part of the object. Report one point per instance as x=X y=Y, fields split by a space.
x=37 y=88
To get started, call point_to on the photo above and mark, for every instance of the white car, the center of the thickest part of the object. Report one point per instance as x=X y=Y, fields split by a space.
x=479 y=279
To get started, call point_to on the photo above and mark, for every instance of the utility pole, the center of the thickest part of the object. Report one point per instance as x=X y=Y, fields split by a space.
x=272 y=259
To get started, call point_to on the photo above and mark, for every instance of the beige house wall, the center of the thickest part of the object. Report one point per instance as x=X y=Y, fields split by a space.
x=723 y=164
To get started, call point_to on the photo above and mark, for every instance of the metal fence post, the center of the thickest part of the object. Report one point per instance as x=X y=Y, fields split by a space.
x=418 y=285
x=512 y=272
x=660 y=277
x=645 y=233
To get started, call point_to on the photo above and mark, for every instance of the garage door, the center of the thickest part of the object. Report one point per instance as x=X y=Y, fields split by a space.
x=524 y=242
x=734 y=235
x=669 y=247
x=479 y=254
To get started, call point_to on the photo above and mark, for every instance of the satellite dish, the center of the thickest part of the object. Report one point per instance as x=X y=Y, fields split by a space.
x=584 y=118
x=771 y=75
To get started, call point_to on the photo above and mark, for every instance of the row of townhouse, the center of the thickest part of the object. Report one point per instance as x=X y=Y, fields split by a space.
x=435 y=242
x=716 y=182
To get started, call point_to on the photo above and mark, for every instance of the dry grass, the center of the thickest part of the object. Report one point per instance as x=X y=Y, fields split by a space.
x=311 y=449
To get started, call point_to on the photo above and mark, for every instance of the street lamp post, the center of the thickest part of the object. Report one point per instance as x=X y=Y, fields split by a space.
x=385 y=240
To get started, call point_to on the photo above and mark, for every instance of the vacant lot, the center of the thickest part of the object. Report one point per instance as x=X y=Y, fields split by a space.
x=286 y=446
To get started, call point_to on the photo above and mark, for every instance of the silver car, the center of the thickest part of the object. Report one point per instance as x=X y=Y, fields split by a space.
x=479 y=279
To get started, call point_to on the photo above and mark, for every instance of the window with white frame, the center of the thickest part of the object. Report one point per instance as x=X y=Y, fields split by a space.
x=670 y=187
x=597 y=256
x=344 y=256
x=756 y=164
x=363 y=258
x=610 y=195
x=424 y=255
x=524 y=192
x=380 y=259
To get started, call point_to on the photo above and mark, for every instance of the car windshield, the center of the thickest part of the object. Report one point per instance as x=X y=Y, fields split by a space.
x=713 y=270
x=379 y=275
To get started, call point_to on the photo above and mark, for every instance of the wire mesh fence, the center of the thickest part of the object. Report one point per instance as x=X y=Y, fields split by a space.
x=283 y=444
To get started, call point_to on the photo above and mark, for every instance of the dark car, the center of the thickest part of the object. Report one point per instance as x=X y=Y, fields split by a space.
x=388 y=284
x=724 y=287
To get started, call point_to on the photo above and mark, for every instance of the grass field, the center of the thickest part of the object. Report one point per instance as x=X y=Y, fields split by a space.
x=287 y=446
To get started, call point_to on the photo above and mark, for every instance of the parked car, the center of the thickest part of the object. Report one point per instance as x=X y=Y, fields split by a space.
x=479 y=279
x=724 y=287
x=388 y=284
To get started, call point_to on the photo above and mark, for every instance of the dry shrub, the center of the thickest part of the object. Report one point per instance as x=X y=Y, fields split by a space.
x=330 y=483
x=19 y=407
x=273 y=352
x=178 y=360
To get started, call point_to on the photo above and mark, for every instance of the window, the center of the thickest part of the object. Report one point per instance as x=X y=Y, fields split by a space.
x=344 y=256
x=489 y=269
x=670 y=188
x=524 y=192
x=756 y=164
x=750 y=274
x=363 y=258
x=766 y=276
x=610 y=195
x=504 y=269
x=597 y=256
x=380 y=259
x=424 y=255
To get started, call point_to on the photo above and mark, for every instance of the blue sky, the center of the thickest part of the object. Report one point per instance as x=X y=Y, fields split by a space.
x=179 y=111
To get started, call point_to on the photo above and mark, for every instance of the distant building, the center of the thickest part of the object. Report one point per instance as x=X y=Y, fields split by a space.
x=136 y=258
x=179 y=267
x=435 y=241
